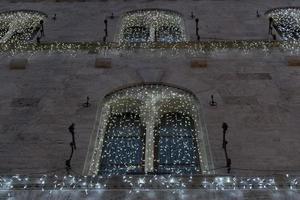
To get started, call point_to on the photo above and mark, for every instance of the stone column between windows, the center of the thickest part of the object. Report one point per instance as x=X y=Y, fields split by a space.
x=151 y=34
x=149 y=120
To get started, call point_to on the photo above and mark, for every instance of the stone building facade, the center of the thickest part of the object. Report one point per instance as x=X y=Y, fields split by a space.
x=254 y=81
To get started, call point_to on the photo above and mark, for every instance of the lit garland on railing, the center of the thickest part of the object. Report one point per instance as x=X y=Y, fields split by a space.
x=136 y=183
x=192 y=48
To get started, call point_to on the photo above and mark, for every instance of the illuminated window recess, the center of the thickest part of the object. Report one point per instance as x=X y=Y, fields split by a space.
x=149 y=129
x=152 y=25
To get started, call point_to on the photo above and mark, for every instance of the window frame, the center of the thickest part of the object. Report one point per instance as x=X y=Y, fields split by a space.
x=96 y=140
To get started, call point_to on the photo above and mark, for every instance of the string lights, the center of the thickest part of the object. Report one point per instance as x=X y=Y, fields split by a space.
x=286 y=21
x=164 y=29
x=155 y=111
x=152 y=25
x=19 y=25
x=150 y=128
x=88 y=183
x=172 y=49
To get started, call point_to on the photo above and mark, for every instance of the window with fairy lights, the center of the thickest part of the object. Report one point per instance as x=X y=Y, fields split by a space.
x=20 y=25
x=123 y=147
x=149 y=129
x=286 y=22
x=175 y=145
x=152 y=25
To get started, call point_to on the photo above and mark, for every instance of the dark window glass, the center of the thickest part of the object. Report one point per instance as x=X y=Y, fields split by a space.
x=123 y=147
x=136 y=34
x=175 y=145
x=168 y=34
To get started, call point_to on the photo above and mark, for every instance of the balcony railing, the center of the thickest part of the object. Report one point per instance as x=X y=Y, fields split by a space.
x=151 y=182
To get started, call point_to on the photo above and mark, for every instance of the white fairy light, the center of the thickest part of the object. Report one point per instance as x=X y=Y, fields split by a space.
x=172 y=180
x=141 y=181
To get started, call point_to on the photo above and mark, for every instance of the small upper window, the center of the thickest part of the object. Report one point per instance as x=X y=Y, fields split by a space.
x=152 y=26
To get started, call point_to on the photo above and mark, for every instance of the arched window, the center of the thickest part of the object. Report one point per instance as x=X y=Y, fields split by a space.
x=152 y=25
x=150 y=128
x=286 y=22
x=20 y=24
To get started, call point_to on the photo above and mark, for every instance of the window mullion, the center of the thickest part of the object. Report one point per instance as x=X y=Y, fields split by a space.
x=149 y=143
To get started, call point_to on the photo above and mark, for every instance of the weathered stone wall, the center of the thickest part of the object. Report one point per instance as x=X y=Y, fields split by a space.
x=257 y=93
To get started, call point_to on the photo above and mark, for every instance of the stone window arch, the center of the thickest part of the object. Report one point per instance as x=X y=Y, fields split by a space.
x=286 y=21
x=20 y=24
x=152 y=25
x=149 y=129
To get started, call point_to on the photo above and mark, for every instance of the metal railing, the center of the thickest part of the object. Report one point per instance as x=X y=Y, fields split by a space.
x=152 y=182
